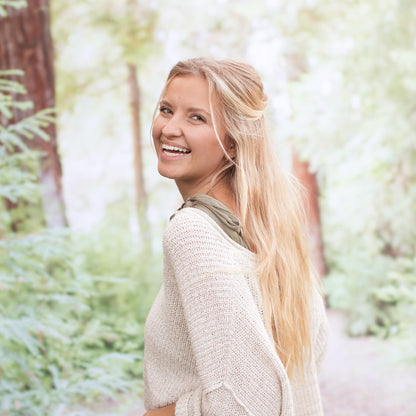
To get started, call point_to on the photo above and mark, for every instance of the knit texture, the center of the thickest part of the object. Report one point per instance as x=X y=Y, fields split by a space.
x=228 y=222
x=206 y=346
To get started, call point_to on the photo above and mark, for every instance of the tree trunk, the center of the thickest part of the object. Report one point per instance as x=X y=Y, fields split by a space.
x=26 y=43
x=135 y=107
x=311 y=201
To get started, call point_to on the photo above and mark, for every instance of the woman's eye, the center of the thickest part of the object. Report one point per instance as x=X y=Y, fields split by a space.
x=165 y=110
x=197 y=117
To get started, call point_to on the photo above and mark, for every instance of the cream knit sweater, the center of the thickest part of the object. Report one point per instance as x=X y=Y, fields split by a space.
x=206 y=347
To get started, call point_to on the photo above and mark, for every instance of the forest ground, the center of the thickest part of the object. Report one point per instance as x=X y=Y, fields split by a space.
x=360 y=377
x=363 y=377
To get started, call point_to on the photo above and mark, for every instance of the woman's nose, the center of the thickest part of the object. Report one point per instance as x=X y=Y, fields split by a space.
x=172 y=128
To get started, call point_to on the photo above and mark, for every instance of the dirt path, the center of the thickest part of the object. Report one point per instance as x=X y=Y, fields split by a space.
x=361 y=378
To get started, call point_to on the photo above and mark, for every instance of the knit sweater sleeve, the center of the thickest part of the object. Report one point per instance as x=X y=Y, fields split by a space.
x=239 y=371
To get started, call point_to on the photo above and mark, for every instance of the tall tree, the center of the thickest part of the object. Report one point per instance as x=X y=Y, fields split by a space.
x=131 y=24
x=26 y=44
x=296 y=67
x=308 y=179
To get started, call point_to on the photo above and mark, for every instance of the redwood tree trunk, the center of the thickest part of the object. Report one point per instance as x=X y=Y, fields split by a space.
x=137 y=137
x=135 y=106
x=311 y=200
x=26 y=43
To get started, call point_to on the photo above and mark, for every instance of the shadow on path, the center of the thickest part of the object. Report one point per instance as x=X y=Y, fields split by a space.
x=361 y=378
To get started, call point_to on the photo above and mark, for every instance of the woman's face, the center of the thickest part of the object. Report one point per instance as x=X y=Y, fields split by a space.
x=187 y=148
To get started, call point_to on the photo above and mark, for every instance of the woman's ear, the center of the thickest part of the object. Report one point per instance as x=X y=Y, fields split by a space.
x=231 y=148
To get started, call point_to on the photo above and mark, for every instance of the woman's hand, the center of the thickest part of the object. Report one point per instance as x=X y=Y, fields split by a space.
x=163 y=411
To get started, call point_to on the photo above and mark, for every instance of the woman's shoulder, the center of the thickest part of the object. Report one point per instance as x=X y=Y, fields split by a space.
x=191 y=221
x=192 y=225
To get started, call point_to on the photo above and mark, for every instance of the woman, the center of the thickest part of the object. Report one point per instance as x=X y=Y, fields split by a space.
x=238 y=327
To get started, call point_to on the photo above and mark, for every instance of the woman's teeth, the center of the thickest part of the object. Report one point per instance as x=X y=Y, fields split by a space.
x=173 y=150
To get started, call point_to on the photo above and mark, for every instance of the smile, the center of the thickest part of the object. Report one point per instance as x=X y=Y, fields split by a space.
x=174 y=150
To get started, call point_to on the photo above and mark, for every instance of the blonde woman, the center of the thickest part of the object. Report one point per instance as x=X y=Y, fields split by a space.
x=238 y=327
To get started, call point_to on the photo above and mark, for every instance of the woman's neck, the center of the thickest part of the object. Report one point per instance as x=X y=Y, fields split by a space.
x=220 y=191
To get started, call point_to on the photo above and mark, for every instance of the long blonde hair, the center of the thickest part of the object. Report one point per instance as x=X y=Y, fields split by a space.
x=267 y=202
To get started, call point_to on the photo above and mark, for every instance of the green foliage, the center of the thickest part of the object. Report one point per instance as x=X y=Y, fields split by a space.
x=381 y=301
x=397 y=299
x=131 y=24
x=15 y=4
x=72 y=306
x=67 y=336
x=355 y=120
x=131 y=277
x=19 y=165
x=121 y=33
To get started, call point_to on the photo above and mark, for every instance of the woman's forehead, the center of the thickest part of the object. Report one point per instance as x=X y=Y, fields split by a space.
x=191 y=89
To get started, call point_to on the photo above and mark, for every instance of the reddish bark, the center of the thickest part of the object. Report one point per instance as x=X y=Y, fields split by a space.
x=311 y=201
x=26 y=44
x=135 y=105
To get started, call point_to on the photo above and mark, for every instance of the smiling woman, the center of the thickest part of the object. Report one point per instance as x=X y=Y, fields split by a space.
x=238 y=327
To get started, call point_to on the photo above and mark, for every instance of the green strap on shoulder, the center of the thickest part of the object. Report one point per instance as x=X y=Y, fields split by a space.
x=229 y=223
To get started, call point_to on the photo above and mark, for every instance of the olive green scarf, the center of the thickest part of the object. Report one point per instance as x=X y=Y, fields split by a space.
x=229 y=223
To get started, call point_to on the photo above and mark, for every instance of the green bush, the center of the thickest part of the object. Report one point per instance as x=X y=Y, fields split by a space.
x=379 y=294
x=72 y=305
x=66 y=336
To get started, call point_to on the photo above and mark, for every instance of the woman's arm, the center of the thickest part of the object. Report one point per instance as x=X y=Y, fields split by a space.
x=163 y=411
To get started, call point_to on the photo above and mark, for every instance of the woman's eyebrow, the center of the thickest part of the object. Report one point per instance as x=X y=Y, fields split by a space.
x=165 y=102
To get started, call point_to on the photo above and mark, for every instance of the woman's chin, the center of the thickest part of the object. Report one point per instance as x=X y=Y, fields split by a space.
x=166 y=173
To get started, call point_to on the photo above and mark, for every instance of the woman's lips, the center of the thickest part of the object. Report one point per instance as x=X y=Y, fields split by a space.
x=173 y=152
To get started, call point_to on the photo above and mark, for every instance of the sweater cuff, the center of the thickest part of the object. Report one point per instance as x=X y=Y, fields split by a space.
x=189 y=404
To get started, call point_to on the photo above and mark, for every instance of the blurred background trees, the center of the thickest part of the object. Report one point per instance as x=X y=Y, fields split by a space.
x=26 y=44
x=132 y=25
x=360 y=134
x=71 y=328
x=339 y=76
